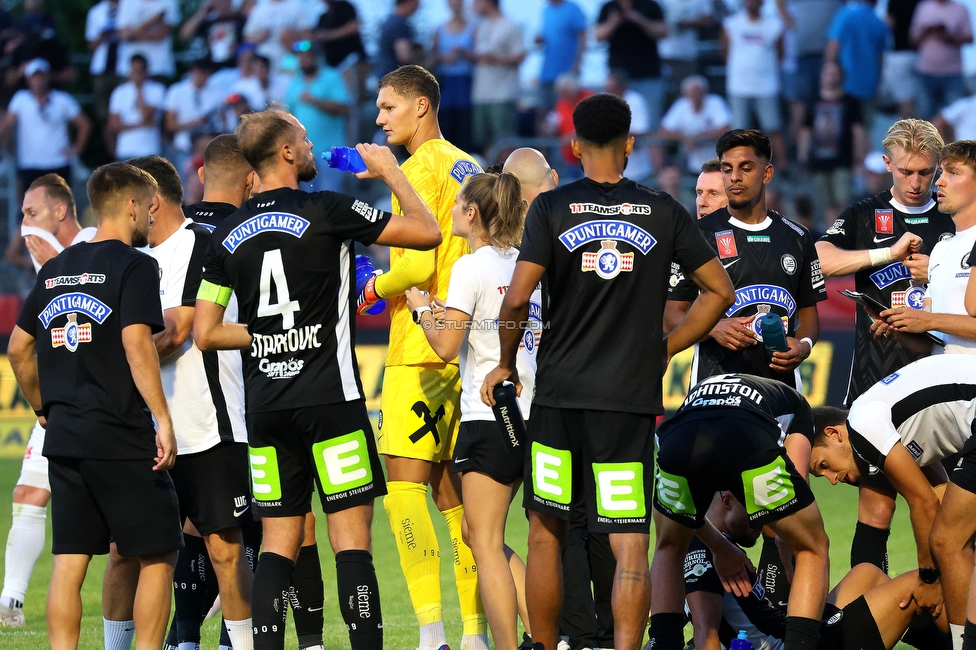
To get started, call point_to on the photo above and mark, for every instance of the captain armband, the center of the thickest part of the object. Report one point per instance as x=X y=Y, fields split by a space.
x=214 y=293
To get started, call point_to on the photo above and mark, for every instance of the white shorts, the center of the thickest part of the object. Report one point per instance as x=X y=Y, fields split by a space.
x=34 y=470
x=898 y=75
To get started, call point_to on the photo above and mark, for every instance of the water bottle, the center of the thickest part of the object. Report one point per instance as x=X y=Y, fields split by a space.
x=508 y=415
x=345 y=159
x=770 y=326
x=364 y=270
x=741 y=642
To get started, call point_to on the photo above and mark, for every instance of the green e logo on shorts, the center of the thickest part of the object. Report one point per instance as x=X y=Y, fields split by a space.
x=768 y=487
x=343 y=462
x=265 y=480
x=619 y=489
x=552 y=473
x=672 y=491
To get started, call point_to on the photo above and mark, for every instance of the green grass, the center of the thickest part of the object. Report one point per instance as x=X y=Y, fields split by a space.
x=838 y=504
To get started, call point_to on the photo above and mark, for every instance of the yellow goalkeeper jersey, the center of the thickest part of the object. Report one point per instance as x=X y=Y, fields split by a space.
x=436 y=170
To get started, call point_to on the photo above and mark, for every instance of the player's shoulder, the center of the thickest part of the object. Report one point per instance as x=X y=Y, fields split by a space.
x=797 y=229
x=867 y=206
x=715 y=221
x=443 y=159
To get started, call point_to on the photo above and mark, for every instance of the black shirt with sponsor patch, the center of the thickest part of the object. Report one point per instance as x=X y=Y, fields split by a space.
x=770 y=399
x=878 y=222
x=774 y=268
x=81 y=302
x=288 y=255
x=209 y=214
x=607 y=249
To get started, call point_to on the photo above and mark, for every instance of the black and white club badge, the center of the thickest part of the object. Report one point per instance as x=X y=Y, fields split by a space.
x=789 y=264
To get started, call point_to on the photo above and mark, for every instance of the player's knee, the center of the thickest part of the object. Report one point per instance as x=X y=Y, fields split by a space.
x=31 y=496
x=224 y=549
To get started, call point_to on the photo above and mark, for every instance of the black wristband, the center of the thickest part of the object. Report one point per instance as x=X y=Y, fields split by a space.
x=38 y=412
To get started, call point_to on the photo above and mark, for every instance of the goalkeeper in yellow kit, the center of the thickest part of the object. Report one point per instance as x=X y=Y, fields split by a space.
x=419 y=406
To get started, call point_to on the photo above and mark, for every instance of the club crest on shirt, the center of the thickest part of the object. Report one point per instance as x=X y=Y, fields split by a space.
x=914 y=298
x=71 y=334
x=608 y=262
x=789 y=264
x=725 y=240
x=884 y=222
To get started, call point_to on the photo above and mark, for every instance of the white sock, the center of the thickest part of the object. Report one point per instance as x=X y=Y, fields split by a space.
x=474 y=642
x=955 y=633
x=432 y=636
x=189 y=645
x=118 y=634
x=25 y=543
x=240 y=633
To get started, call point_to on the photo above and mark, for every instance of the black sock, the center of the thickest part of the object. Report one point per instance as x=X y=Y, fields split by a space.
x=171 y=637
x=308 y=597
x=359 y=599
x=667 y=631
x=252 y=534
x=268 y=601
x=190 y=589
x=870 y=544
x=802 y=633
x=969 y=636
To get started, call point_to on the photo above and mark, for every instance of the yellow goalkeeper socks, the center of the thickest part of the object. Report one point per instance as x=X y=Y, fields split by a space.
x=406 y=507
x=466 y=577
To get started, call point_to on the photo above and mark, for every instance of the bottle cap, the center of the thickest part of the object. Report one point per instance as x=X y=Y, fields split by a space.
x=327 y=155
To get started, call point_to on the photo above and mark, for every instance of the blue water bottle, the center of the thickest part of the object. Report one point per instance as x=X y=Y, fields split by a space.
x=364 y=271
x=770 y=326
x=741 y=642
x=345 y=159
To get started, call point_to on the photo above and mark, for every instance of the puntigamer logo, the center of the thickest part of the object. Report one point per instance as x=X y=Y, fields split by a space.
x=608 y=229
x=267 y=222
x=77 y=302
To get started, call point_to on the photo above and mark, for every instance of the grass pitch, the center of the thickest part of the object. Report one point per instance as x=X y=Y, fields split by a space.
x=838 y=505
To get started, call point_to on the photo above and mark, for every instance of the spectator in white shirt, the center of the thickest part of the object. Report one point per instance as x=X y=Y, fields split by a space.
x=42 y=115
x=263 y=86
x=696 y=120
x=639 y=166
x=103 y=42
x=957 y=121
x=146 y=27
x=135 y=113
x=191 y=106
x=275 y=25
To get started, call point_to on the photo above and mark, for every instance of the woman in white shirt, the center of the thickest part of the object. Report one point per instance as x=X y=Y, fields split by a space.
x=490 y=215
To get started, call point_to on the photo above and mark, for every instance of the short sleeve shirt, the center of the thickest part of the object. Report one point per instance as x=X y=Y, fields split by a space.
x=630 y=48
x=288 y=256
x=81 y=302
x=607 y=250
x=42 y=130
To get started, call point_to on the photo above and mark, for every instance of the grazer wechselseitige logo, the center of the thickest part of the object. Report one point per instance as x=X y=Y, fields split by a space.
x=283 y=222
x=601 y=229
x=75 y=302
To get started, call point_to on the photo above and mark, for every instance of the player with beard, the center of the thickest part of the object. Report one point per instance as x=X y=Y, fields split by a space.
x=419 y=413
x=885 y=241
x=288 y=256
x=83 y=346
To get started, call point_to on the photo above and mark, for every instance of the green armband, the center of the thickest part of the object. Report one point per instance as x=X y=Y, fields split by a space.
x=214 y=293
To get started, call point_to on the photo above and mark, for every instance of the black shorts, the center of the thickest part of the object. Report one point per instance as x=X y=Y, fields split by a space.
x=607 y=454
x=964 y=472
x=851 y=628
x=94 y=502
x=213 y=487
x=875 y=479
x=332 y=444
x=726 y=449
x=481 y=447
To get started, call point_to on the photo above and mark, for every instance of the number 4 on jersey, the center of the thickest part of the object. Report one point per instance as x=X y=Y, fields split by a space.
x=273 y=270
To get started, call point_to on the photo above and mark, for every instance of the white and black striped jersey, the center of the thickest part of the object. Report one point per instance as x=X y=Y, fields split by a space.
x=878 y=222
x=774 y=268
x=928 y=406
x=288 y=256
x=205 y=390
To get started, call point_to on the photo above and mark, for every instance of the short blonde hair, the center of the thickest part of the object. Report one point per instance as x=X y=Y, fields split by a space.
x=914 y=136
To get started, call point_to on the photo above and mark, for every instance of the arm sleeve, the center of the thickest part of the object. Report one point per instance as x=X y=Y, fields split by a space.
x=350 y=218
x=171 y=100
x=139 y=300
x=462 y=294
x=92 y=27
x=871 y=431
x=690 y=248
x=803 y=419
x=411 y=269
x=72 y=108
x=699 y=573
x=579 y=20
x=680 y=287
x=536 y=239
x=670 y=119
x=813 y=289
x=842 y=233
x=125 y=17
x=214 y=274
x=115 y=102
x=27 y=320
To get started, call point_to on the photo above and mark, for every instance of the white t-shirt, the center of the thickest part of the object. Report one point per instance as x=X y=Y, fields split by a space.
x=752 y=69
x=256 y=95
x=682 y=118
x=99 y=19
x=159 y=54
x=478 y=285
x=42 y=133
x=190 y=103
x=143 y=141
x=276 y=16
x=681 y=43
x=639 y=164
x=961 y=114
x=85 y=234
x=185 y=375
x=948 y=276
x=497 y=83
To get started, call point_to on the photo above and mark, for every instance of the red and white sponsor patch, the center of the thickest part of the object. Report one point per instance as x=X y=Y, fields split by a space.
x=726 y=244
x=884 y=222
